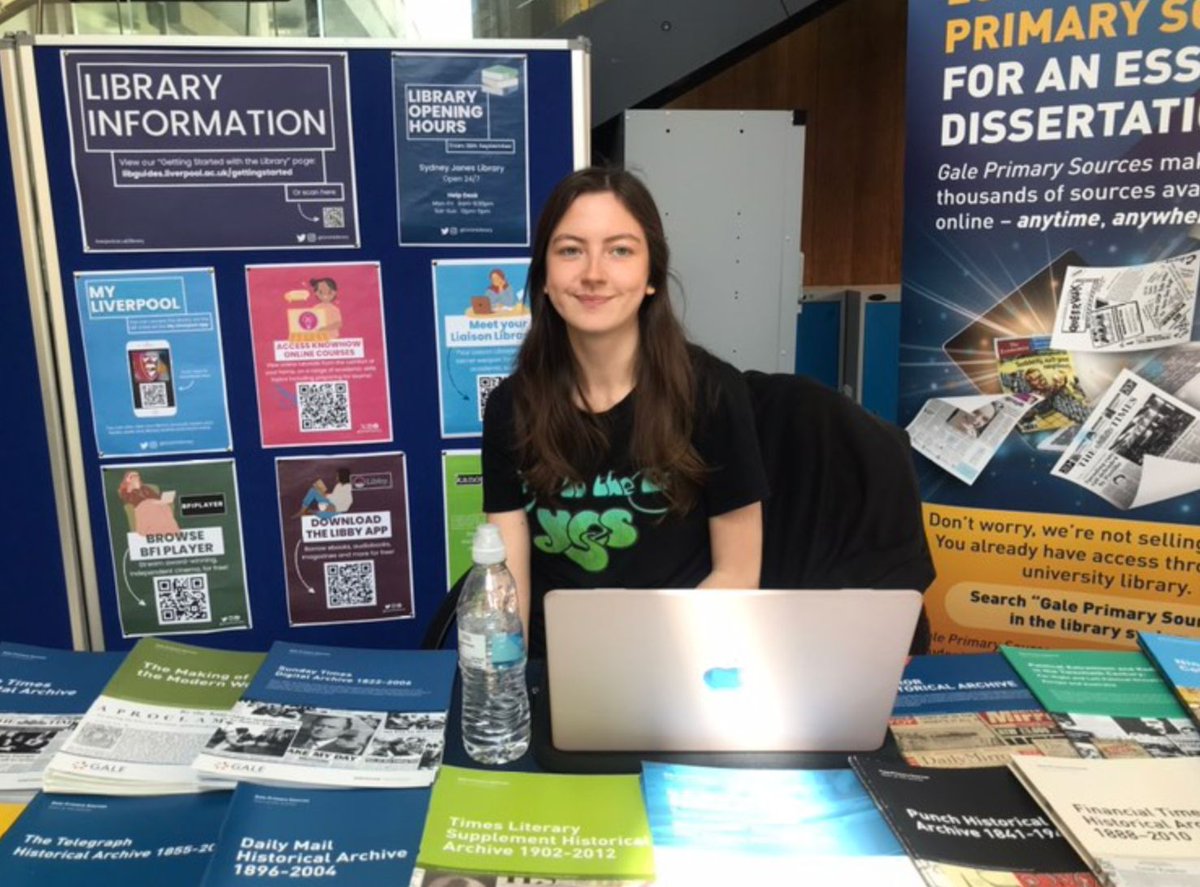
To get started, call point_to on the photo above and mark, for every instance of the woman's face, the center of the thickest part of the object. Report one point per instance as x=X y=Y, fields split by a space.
x=324 y=292
x=598 y=267
x=498 y=281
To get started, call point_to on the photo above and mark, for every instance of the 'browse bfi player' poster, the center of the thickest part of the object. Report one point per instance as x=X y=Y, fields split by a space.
x=462 y=501
x=176 y=540
x=152 y=344
x=462 y=149
x=482 y=320
x=345 y=538
x=1051 y=262
x=185 y=150
x=320 y=358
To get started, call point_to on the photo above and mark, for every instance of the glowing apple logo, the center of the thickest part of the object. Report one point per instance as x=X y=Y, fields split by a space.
x=723 y=678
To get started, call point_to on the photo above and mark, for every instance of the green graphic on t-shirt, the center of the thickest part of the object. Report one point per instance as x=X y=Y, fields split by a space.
x=585 y=536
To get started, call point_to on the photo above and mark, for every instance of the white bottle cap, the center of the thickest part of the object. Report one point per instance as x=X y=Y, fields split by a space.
x=487 y=547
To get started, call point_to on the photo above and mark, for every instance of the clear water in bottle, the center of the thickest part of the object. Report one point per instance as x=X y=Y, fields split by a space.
x=491 y=657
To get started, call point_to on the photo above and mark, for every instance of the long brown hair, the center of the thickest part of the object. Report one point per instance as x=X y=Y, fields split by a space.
x=559 y=443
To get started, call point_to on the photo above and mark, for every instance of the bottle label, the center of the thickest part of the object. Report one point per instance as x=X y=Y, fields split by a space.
x=472 y=648
x=508 y=649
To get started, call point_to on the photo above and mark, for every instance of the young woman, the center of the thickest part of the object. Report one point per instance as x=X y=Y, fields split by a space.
x=617 y=454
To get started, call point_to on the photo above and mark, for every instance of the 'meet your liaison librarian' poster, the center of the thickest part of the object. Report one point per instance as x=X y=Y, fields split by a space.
x=1049 y=374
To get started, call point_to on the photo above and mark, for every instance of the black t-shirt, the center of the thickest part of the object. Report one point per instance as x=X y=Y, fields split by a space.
x=615 y=530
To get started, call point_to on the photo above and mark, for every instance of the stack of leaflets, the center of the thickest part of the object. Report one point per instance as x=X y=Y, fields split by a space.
x=491 y=829
x=358 y=837
x=130 y=842
x=142 y=733
x=1178 y=660
x=733 y=826
x=43 y=695
x=1110 y=705
x=333 y=716
x=1136 y=822
x=970 y=711
x=972 y=826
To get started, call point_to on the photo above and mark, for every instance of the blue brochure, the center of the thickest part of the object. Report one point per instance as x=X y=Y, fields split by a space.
x=358 y=837
x=65 y=841
x=1178 y=660
x=958 y=684
x=763 y=812
x=334 y=716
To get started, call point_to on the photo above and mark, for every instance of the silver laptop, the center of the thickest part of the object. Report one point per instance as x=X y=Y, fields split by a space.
x=725 y=670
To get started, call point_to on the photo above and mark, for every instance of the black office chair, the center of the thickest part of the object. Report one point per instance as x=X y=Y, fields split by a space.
x=844 y=509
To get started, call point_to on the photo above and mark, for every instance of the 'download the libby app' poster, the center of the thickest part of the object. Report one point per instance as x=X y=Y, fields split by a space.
x=345 y=538
x=176 y=538
x=320 y=358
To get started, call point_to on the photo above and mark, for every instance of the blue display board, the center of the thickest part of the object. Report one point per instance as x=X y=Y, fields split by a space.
x=33 y=595
x=553 y=113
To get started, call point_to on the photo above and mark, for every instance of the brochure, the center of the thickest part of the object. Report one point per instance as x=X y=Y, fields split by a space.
x=8 y=815
x=1135 y=822
x=130 y=842
x=718 y=825
x=1178 y=661
x=43 y=695
x=356 y=838
x=973 y=826
x=568 y=828
x=1110 y=705
x=142 y=733
x=970 y=711
x=333 y=716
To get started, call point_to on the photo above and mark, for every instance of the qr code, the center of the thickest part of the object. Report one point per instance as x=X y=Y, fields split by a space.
x=182 y=599
x=333 y=216
x=154 y=394
x=324 y=406
x=485 y=385
x=349 y=584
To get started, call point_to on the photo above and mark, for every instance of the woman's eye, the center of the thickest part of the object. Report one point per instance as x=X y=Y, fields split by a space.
x=622 y=251
x=568 y=251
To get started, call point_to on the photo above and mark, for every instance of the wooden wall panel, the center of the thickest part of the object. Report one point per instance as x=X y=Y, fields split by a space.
x=846 y=70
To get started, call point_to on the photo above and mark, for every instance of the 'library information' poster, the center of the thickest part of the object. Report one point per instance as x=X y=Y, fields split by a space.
x=152 y=345
x=176 y=539
x=482 y=319
x=462 y=155
x=320 y=359
x=345 y=538
x=188 y=150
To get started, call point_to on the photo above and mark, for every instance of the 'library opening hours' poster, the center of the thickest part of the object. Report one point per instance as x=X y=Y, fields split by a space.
x=176 y=538
x=1049 y=372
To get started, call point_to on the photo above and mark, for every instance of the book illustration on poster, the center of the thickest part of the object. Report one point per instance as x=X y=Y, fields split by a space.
x=717 y=825
x=352 y=838
x=134 y=842
x=962 y=434
x=1135 y=822
x=211 y=150
x=155 y=369
x=461 y=124
x=175 y=533
x=482 y=318
x=157 y=712
x=1110 y=705
x=346 y=538
x=44 y=693
x=1178 y=661
x=970 y=711
x=320 y=354
x=501 y=827
x=336 y=717
x=970 y=826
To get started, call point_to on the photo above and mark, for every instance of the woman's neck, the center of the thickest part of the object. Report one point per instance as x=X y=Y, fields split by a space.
x=606 y=367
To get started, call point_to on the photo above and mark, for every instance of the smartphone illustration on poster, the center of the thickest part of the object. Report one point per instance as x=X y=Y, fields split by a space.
x=151 y=375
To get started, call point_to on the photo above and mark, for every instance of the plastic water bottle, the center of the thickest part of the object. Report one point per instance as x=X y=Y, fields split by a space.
x=491 y=656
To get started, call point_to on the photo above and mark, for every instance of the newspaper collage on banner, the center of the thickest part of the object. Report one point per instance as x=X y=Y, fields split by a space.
x=961 y=434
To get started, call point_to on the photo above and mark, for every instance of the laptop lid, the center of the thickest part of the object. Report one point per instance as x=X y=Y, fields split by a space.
x=725 y=670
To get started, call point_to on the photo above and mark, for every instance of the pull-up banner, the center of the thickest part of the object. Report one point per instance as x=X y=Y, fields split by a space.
x=177 y=150
x=1049 y=361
